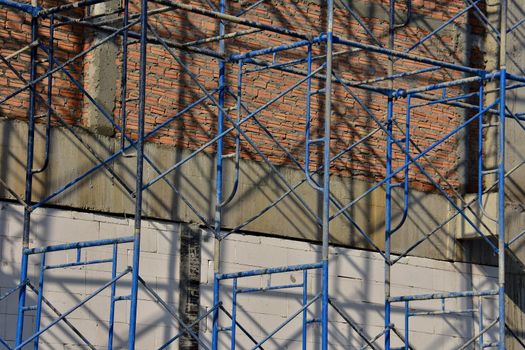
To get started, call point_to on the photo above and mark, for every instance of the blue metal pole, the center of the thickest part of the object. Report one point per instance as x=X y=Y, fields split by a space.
x=445 y=295
x=76 y=245
x=38 y=316
x=501 y=212
x=270 y=271
x=407 y=318
x=112 y=298
x=215 y=326
x=29 y=182
x=234 y=313
x=326 y=174
x=388 y=212
x=305 y=312
x=220 y=127
x=30 y=9
x=218 y=183
x=501 y=171
x=139 y=175
x=21 y=300
x=480 y=146
x=124 y=76
x=388 y=184
x=480 y=318
x=278 y=48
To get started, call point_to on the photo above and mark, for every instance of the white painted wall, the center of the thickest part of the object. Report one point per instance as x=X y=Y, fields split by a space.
x=355 y=282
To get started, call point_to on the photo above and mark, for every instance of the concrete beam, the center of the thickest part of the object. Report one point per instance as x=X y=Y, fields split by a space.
x=195 y=180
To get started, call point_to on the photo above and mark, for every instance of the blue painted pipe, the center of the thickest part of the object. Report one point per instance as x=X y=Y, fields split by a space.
x=388 y=213
x=38 y=316
x=407 y=322
x=76 y=245
x=269 y=271
x=124 y=75
x=279 y=48
x=139 y=175
x=28 y=8
x=480 y=320
x=269 y=288
x=304 y=332
x=444 y=295
x=80 y=263
x=215 y=320
x=501 y=206
x=234 y=313
x=29 y=181
x=480 y=147
x=111 y=322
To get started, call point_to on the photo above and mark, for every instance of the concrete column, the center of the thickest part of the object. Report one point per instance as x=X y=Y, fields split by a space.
x=190 y=277
x=100 y=76
x=490 y=141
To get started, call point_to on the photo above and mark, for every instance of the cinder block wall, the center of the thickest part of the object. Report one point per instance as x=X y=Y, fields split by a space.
x=355 y=282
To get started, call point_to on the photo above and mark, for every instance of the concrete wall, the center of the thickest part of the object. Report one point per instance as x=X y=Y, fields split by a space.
x=258 y=187
x=355 y=283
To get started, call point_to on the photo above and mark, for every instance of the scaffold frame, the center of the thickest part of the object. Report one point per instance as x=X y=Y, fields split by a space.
x=318 y=67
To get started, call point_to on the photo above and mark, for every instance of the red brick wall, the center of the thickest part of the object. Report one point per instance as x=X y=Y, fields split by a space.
x=169 y=89
x=15 y=33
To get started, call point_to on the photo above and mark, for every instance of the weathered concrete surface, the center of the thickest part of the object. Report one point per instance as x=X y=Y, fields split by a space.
x=195 y=180
x=100 y=75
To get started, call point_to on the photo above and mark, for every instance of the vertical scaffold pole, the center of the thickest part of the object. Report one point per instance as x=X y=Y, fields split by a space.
x=38 y=316
x=218 y=182
x=388 y=184
x=388 y=223
x=124 y=75
x=29 y=180
x=501 y=171
x=326 y=172
x=111 y=321
x=305 y=311
x=139 y=174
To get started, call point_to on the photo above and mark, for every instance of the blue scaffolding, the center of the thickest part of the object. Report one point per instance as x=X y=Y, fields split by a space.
x=318 y=68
